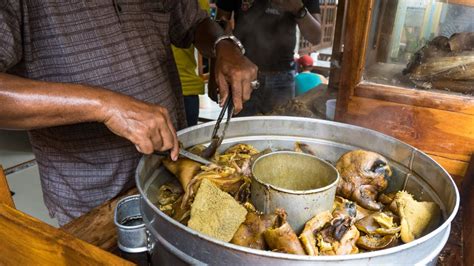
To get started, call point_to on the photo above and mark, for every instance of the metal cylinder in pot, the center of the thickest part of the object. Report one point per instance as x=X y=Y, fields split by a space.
x=301 y=184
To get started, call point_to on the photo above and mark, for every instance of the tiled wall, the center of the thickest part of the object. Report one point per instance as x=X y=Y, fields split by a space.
x=17 y=160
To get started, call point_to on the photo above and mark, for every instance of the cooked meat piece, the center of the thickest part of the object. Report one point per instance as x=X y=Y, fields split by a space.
x=371 y=242
x=338 y=238
x=378 y=223
x=363 y=176
x=304 y=148
x=416 y=217
x=250 y=233
x=311 y=228
x=184 y=170
x=224 y=178
x=282 y=238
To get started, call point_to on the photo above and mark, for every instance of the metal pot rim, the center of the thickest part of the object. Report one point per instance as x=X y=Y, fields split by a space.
x=446 y=224
x=297 y=192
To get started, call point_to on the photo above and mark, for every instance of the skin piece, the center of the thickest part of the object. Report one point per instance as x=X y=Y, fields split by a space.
x=224 y=178
x=372 y=243
x=379 y=224
x=250 y=233
x=332 y=233
x=304 y=148
x=308 y=236
x=330 y=242
x=282 y=238
x=29 y=104
x=363 y=176
x=416 y=216
x=184 y=170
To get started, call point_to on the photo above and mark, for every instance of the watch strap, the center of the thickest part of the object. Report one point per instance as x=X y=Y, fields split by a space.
x=301 y=13
x=231 y=38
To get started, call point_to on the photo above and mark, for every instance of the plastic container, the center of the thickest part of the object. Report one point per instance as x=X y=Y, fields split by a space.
x=330 y=109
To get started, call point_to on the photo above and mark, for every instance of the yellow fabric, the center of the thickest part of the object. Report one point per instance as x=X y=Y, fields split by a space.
x=191 y=83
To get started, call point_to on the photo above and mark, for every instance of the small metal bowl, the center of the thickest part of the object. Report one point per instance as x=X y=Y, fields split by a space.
x=131 y=230
x=302 y=184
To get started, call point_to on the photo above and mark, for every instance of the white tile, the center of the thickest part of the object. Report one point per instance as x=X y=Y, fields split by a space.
x=28 y=196
x=208 y=109
x=15 y=148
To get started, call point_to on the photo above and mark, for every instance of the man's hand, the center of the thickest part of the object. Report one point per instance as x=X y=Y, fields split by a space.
x=292 y=6
x=147 y=126
x=233 y=70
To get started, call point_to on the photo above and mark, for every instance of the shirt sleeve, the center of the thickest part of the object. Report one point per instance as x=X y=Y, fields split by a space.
x=10 y=34
x=312 y=6
x=226 y=5
x=185 y=17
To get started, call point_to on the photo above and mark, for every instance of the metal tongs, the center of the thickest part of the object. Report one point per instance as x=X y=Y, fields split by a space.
x=215 y=139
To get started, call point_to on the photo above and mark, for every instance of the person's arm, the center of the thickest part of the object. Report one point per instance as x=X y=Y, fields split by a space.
x=309 y=25
x=223 y=16
x=232 y=70
x=29 y=104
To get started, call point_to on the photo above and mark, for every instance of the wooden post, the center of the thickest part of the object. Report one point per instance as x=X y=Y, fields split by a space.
x=5 y=194
x=467 y=202
x=97 y=226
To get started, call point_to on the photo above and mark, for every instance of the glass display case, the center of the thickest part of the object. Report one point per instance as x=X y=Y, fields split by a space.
x=407 y=70
x=421 y=44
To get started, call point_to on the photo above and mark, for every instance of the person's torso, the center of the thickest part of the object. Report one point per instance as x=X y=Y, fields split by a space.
x=123 y=47
x=268 y=35
x=185 y=59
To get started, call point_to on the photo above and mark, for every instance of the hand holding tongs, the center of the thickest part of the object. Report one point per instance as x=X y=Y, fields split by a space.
x=215 y=139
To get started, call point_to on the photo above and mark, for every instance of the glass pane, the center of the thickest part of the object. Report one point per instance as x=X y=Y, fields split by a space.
x=423 y=44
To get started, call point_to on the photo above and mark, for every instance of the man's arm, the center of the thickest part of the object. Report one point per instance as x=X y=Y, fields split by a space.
x=309 y=25
x=233 y=70
x=29 y=104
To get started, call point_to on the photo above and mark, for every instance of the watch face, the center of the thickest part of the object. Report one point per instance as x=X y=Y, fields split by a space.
x=302 y=12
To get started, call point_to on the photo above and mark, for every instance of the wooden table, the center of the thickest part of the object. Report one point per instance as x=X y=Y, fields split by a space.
x=28 y=241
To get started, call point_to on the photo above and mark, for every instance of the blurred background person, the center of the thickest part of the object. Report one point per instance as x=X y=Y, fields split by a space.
x=267 y=29
x=306 y=80
x=191 y=83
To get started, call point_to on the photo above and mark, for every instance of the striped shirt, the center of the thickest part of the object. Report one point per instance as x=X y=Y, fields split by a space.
x=120 y=45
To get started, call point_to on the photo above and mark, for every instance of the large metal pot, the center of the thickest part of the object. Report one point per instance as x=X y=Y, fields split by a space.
x=413 y=171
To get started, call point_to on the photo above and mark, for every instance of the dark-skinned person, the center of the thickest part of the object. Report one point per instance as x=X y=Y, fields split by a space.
x=191 y=83
x=96 y=86
x=267 y=30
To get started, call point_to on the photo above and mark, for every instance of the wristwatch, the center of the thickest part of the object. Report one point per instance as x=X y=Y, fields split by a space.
x=301 y=13
x=231 y=38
